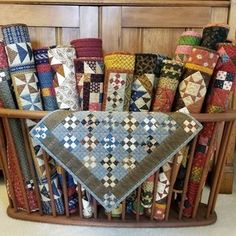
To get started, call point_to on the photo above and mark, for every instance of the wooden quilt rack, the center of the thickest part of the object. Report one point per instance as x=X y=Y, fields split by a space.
x=134 y=26
x=203 y=213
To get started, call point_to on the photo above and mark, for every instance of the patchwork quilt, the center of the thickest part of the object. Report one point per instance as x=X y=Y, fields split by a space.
x=112 y=153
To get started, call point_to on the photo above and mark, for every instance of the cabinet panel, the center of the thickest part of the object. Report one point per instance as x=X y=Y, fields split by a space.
x=132 y=39
x=163 y=41
x=165 y=16
x=42 y=36
x=111 y=28
x=36 y=15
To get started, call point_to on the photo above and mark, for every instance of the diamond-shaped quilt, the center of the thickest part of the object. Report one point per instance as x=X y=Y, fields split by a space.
x=112 y=153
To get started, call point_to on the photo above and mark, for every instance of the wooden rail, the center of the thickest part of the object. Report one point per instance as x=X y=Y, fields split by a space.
x=215 y=3
x=36 y=115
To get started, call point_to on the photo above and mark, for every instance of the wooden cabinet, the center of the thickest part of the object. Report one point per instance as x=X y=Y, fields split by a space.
x=135 y=25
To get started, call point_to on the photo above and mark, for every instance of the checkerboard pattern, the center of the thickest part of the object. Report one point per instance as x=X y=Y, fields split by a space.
x=108 y=158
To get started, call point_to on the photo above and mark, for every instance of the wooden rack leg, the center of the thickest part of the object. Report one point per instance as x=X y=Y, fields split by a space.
x=64 y=187
x=80 y=201
x=221 y=147
x=48 y=175
x=154 y=194
x=95 y=208
x=190 y=162
x=123 y=210
x=172 y=182
x=221 y=171
x=138 y=203
x=205 y=171
x=31 y=165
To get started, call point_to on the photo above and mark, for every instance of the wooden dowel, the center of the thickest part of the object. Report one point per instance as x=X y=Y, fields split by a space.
x=220 y=136
x=201 y=117
x=65 y=194
x=48 y=175
x=138 y=203
x=123 y=210
x=220 y=152
x=154 y=194
x=205 y=171
x=95 y=208
x=80 y=200
x=3 y=150
x=186 y=180
x=109 y=216
x=12 y=199
x=18 y=169
x=172 y=182
x=31 y=165
x=226 y=138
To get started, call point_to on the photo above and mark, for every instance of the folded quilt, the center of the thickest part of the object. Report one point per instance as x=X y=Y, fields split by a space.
x=109 y=153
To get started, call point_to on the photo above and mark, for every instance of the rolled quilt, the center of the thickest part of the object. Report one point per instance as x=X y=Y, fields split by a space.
x=216 y=102
x=88 y=47
x=45 y=76
x=141 y=97
x=191 y=94
x=169 y=79
x=89 y=68
x=187 y=40
x=62 y=62
x=168 y=83
x=144 y=80
x=6 y=96
x=213 y=34
x=119 y=69
x=192 y=89
x=8 y=100
x=89 y=79
x=24 y=78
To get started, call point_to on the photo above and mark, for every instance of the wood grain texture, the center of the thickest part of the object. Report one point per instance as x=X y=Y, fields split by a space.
x=127 y=3
x=88 y=22
x=68 y=34
x=232 y=20
x=165 y=16
x=111 y=28
x=228 y=176
x=42 y=36
x=103 y=222
x=132 y=40
x=219 y=14
x=36 y=15
x=163 y=41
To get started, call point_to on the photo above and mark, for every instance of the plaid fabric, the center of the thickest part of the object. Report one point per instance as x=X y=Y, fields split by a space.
x=88 y=47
